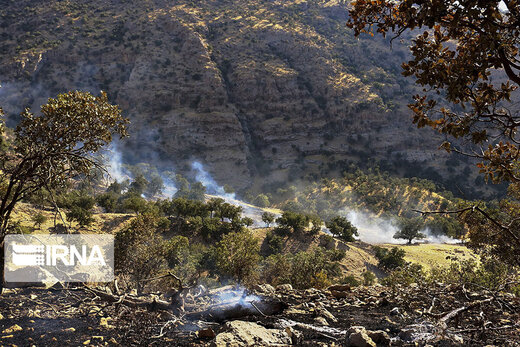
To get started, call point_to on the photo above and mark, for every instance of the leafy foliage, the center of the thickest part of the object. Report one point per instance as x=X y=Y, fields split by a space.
x=55 y=146
x=390 y=259
x=342 y=228
x=315 y=267
x=468 y=52
x=409 y=229
x=237 y=255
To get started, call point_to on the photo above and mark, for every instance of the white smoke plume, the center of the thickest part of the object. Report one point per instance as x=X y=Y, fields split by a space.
x=377 y=230
x=212 y=187
x=114 y=164
x=169 y=189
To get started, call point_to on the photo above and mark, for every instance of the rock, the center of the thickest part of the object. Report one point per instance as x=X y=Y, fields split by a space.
x=242 y=333
x=97 y=338
x=284 y=287
x=12 y=329
x=69 y=330
x=355 y=329
x=380 y=337
x=264 y=288
x=320 y=321
x=207 y=333
x=113 y=341
x=340 y=288
x=326 y=314
x=1 y=316
x=360 y=338
x=338 y=294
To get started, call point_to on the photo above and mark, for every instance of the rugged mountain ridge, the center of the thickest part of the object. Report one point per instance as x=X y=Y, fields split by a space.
x=271 y=89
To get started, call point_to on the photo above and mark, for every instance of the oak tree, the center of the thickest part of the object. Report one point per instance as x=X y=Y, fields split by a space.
x=466 y=51
x=49 y=149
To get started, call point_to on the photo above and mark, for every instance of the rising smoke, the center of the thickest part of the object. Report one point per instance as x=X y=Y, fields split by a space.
x=377 y=230
x=212 y=187
x=114 y=164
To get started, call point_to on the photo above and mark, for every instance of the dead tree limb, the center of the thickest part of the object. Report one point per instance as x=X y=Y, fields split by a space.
x=131 y=302
x=454 y=313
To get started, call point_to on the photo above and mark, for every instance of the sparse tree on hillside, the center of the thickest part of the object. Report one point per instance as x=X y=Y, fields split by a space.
x=261 y=200
x=135 y=204
x=342 y=228
x=49 y=149
x=247 y=221
x=80 y=209
x=464 y=50
x=409 y=229
x=390 y=259
x=268 y=218
x=228 y=189
x=139 y=250
x=295 y=222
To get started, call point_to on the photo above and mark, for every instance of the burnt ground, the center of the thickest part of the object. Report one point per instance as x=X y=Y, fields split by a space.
x=410 y=316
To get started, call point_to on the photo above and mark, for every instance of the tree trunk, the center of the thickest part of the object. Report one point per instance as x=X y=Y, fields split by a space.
x=1 y=266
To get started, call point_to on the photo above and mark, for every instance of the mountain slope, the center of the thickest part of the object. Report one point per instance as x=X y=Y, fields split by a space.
x=273 y=89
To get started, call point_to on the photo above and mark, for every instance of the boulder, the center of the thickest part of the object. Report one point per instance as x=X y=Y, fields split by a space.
x=240 y=333
x=326 y=314
x=295 y=335
x=358 y=337
x=380 y=337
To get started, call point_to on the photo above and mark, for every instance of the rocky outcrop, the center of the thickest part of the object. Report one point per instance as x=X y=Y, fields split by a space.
x=277 y=89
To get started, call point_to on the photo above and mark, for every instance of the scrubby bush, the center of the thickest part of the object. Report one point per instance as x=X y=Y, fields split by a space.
x=274 y=243
x=38 y=219
x=139 y=251
x=406 y=275
x=369 y=278
x=237 y=256
x=390 y=259
x=351 y=280
x=315 y=267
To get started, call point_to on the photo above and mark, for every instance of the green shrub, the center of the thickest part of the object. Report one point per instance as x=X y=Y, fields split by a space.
x=369 y=278
x=274 y=243
x=390 y=259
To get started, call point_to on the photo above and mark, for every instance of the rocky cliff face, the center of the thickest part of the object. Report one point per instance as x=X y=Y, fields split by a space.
x=272 y=88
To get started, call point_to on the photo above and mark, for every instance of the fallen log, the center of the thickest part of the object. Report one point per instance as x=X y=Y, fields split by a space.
x=265 y=306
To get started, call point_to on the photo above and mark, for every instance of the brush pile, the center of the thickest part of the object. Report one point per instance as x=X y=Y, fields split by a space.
x=438 y=315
